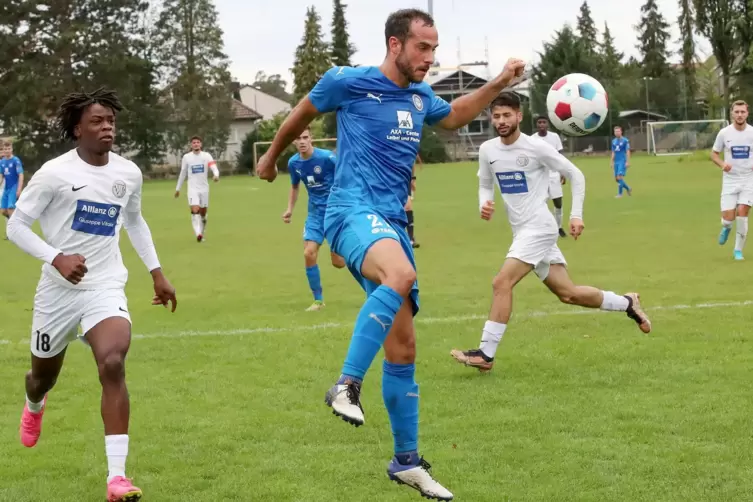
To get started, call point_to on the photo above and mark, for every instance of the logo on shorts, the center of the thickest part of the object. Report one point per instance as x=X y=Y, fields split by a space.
x=418 y=102
x=317 y=170
x=119 y=189
x=512 y=182
x=522 y=160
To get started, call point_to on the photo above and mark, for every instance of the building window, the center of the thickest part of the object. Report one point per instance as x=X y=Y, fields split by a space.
x=475 y=128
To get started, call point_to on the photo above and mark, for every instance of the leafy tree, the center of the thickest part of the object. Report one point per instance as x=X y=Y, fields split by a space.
x=274 y=85
x=589 y=36
x=342 y=51
x=312 y=57
x=714 y=19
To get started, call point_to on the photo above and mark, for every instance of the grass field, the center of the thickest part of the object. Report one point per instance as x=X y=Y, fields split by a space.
x=227 y=393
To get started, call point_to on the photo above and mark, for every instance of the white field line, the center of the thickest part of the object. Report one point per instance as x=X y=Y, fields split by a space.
x=419 y=320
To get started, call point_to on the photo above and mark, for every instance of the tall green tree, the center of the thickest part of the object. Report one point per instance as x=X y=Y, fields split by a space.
x=342 y=51
x=312 y=57
x=195 y=71
x=714 y=19
x=653 y=40
x=589 y=35
x=55 y=47
x=611 y=58
x=686 y=22
x=274 y=85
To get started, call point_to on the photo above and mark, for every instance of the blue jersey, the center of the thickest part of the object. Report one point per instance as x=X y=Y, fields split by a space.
x=379 y=130
x=620 y=147
x=10 y=168
x=317 y=172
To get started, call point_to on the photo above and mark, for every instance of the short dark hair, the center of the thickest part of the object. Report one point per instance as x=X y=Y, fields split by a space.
x=74 y=104
x=196 y=137
x=506 y=99
x=398 y=23
x=542 y=117
x=617 y=126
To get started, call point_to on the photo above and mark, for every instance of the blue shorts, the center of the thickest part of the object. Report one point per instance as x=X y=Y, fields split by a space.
x=352 y=232
x=8 y=199
x=619 y=169
x=313 y=229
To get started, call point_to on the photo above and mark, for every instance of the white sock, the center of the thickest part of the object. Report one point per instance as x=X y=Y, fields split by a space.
x=196 y=222
x=558 y=216
x=34 y=407
x=116 y=448
x=614 y=302
x=491 y=336
x=742 y=232
x=203 y=225
x=727 y=223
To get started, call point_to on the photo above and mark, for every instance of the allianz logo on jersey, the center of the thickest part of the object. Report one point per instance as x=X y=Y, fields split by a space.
x=95 y=218
x=197 y=168
x=740 y=152
x=513 y=182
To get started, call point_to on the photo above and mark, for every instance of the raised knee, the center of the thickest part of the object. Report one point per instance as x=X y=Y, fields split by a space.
x=501 y=284
x=112 y=367
x=401 y=279
x=309 y=254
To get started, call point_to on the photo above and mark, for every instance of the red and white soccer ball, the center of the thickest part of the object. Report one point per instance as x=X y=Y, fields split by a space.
x=577 y=104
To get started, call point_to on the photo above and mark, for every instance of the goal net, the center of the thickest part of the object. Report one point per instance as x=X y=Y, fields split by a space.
x=261 y=147
x=682 y=137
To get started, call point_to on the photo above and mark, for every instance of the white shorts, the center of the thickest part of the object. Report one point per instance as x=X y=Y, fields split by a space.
x=59 y=311
x=555 y=186
x=735 y=193
x=196 y=198
x=539 y=250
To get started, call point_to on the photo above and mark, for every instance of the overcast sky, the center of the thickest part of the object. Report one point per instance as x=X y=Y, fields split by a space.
x=263 y=34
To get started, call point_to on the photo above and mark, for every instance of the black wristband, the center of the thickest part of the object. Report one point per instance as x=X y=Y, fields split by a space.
x=413 y=177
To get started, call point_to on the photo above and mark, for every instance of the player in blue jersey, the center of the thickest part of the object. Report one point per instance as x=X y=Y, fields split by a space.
x=620 y=160
x=316 y=168
x=12 y=173
x=380 y=115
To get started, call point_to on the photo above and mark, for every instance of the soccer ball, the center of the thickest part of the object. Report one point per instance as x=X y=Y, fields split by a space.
x=577 y=104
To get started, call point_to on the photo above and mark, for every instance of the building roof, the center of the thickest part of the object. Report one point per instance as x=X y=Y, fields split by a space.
x=243 y=112
x=633 y=113
x=437 y=76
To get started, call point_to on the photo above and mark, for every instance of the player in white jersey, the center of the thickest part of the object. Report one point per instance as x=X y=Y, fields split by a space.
x=556 y=180
x=736 y=141
x=195 y=166
x=82 y=199
x=520 y=165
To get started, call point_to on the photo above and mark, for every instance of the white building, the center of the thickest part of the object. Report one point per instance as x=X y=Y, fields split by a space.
x=262 y=103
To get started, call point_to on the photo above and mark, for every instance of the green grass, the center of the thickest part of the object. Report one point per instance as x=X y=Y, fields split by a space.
x=578 y=407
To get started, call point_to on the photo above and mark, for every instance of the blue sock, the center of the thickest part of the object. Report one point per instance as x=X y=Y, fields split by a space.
x=372 y=326
x=625 y=185
x=619 y=187
x=400 y=393
x=315 y=282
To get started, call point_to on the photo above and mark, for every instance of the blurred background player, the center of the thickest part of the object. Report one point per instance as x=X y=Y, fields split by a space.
x=81 y=199
x=316 y=168
x=380 y=115
x=736 y=141
x=620 y=160
x=520 y=164
x=195 y=166
x=409 y=204
x=11 y=178
x=556 y=180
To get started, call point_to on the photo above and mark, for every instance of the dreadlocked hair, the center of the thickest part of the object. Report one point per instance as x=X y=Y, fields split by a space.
x=74 y=104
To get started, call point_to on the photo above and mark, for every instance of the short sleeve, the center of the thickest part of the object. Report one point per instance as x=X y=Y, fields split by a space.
x=438 y=109
x=719 y=142
x=613 y=145
x=19 y=166
x=332 y=159
x=330 y=91
x=294 y=178
x=37 y=195
x=559 y=146
x=627 y=144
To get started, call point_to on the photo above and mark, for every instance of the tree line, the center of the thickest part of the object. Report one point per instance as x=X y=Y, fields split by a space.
x=167 y=64
x=696 y=88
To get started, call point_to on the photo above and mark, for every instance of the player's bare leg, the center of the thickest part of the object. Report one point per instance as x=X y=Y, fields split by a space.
x=196 y=223
x=310 y=258
x=411 y=227
x=558 y=281
x=203 y=214
x=337 y=260
x=511 y=273
x=110 y=341
x=39 y=381
x=741 y=230
x=728 y=218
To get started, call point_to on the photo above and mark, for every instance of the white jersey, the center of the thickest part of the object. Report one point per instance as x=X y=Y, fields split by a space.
x=195 y=167
x=521 y=171
x=737 y=146
x=553 y=139
x=80 y=209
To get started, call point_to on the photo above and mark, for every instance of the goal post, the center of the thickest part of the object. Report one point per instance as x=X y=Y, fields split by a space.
x=260 y=147
x=682 y=137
